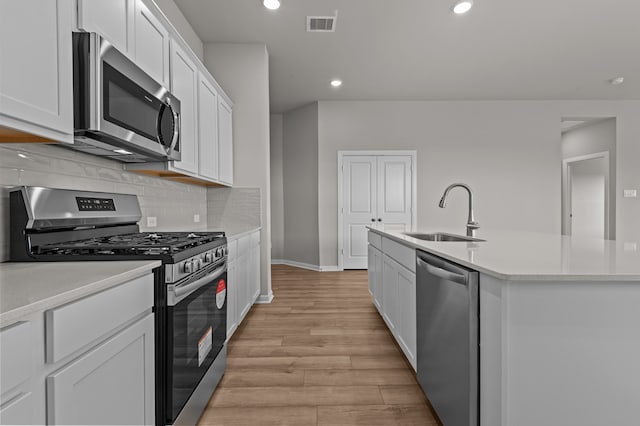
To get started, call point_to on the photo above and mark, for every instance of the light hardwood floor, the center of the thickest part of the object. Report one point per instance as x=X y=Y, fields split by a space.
x=319 y=354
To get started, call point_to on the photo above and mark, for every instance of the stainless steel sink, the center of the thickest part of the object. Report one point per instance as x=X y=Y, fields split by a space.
x=440 y=236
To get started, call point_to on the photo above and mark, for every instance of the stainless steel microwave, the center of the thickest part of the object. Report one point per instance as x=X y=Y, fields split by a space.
x=120 y=112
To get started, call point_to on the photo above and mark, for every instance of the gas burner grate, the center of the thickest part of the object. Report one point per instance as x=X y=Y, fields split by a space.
x=145 y=243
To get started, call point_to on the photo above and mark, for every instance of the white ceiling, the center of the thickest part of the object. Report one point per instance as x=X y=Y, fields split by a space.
x=420 y=50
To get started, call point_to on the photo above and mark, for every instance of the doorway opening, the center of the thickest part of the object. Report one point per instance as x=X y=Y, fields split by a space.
x=588 y=177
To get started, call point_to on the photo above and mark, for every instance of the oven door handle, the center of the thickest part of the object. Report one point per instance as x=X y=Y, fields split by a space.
x=177 y=293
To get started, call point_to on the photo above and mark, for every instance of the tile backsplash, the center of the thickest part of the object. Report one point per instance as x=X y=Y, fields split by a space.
x=233 y=210
x=174 y=204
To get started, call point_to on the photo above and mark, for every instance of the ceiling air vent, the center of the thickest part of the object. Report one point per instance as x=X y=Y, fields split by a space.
x=321 y=24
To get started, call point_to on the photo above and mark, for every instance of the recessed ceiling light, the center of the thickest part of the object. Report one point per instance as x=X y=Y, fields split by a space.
x=336 y=83
x=271 y=4
x=616 y=81
x=122 y=151
x=462 y=6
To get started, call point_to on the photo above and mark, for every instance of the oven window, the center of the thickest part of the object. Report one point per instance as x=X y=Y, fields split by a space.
x=198 y=331
x=128 y=105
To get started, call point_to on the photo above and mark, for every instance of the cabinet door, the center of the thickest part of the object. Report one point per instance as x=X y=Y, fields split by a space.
x=208 y=128
x=407 y=313
x=112 y=19
x=225 y=141
x=18 y=411
x=375 y=276
x=255 y=273
x=36 y=66
x=242 y=266
x=232 y=299
x=113 y=383
x=390 y=293
x=184 y=85
x=151 y=44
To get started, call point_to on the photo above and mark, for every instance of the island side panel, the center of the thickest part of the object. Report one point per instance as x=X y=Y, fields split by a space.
x=572 y=351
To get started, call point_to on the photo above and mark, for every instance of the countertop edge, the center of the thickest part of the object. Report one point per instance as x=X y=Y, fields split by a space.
x=17 y=314
x=415 y=244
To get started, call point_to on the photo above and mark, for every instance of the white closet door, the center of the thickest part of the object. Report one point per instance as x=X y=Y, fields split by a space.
x=359 y=208
x=394 y=192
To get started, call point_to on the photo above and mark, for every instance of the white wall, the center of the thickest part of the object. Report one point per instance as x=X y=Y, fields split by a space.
x=243 y=71
x=277 y=194
x=300 y=185
x=508 y=151
x=590 y=139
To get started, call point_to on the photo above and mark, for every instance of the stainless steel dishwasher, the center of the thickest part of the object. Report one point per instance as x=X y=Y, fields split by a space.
x=447 y=336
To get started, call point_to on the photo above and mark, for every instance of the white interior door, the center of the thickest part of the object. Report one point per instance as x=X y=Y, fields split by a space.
x=394 y=192
x=587 y=185
x=359 y=208
x=376 y=189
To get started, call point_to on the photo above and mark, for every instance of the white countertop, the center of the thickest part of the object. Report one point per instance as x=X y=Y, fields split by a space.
x=30 y=287
x=530 y=256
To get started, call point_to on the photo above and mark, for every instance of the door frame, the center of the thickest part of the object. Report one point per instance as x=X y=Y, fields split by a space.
x=566 y=190
x=414 y=191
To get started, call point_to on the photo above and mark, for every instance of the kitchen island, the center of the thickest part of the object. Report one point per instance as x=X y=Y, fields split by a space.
x=559 y=325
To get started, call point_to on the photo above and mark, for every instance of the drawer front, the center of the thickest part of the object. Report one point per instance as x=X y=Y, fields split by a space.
x=16 y=355
x=375 y=240
x=232 y=247
x=244 y=244
x=19 y=411
x=255 y=239
x=406 y=256
x=72 y=326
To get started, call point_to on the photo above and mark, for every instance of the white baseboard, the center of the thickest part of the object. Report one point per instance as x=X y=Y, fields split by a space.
x=265 y=298
x=330 y=269
x=305 y=265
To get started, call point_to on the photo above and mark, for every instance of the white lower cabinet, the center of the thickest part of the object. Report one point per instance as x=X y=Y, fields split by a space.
x=109 y=384
x=393 y=288
x=243 y=274
x=90 y=361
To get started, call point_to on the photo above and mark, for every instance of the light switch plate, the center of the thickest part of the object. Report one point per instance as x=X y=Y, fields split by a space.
x=630 y=193
x=196 y=218
x=152 y=221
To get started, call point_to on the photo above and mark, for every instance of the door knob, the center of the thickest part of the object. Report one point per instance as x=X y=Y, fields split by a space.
x=373 y=220
x=379 y=220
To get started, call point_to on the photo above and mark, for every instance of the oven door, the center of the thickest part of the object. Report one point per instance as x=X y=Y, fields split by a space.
x=196 y=332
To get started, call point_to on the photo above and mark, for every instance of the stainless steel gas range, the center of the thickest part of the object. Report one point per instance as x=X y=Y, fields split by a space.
x=190 y=288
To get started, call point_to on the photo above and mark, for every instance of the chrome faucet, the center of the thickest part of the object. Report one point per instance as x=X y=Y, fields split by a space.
x=472 y=225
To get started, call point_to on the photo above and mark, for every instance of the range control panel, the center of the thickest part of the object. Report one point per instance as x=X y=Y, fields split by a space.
x=86 y=204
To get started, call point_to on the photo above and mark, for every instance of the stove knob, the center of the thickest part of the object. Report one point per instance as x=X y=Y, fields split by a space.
x=208 y=257
x=219 y=253
x=197 y=264
x=188 y=267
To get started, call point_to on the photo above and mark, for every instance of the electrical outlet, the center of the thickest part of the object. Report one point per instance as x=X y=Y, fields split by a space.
x=152 y=222
x=630 y=193
x=196 y=218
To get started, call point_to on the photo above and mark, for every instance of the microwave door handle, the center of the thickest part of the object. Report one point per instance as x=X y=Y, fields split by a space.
x=176 y=129
x=178 y=293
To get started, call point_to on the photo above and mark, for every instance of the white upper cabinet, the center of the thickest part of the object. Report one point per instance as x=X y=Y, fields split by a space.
x=151 y=43
x=208 y=128
x=184 y=85
x=113 y=19
x=225 y=142
x=36 y=88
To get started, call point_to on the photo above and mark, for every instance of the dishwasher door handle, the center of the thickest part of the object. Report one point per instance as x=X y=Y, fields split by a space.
x=443 y=273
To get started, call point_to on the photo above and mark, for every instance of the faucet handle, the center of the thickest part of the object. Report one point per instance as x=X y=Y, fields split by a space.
x=473 y=225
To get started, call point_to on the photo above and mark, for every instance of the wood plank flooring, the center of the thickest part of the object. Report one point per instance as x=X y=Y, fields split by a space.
x=319 y=354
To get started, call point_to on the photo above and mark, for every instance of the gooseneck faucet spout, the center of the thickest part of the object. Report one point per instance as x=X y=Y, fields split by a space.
x=472 y=225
